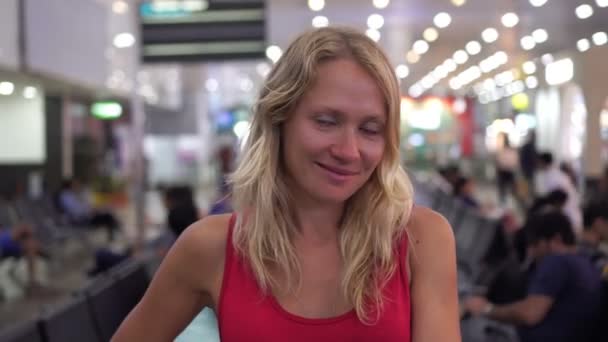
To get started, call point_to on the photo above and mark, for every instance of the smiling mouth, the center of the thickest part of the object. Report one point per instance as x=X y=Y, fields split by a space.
x=338 y=171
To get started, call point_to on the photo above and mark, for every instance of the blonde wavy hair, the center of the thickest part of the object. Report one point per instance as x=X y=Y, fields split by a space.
x=375 y=216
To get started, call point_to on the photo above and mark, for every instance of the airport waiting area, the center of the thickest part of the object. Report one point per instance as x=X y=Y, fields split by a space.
x=303 y=170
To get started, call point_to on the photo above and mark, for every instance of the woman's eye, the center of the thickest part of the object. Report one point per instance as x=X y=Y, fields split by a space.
x=371 y=129
x=325 y=121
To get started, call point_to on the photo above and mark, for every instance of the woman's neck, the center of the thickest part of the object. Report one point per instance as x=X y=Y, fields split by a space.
x=318 y=222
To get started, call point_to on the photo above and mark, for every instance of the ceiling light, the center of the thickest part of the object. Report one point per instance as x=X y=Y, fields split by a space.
x=501 y=57
x=316 y=5
x=583 y=45
x=6 y=88
x=375 y=21
x=246 y=84
x=415 y=90
x=124 y=40
x=458 y=3
x=504 y=78
x=489 y=35
x=320 y=21
x=420 y=47
x=450 y=65
x=559 y=72
x=489 y=84
x=487 y=65
x=531 y=82
x=402 y=71
x=584 y=11
x=29 y=92
x=547 y=58
x=427 y=82
x=441 y=71
x=442 y=20
x=263 y=69
x=601 y=3
x=460 y=57
x=599 y=38
x=455 y=83
x=473 y=47
x=273 y=53
x=540 y=36
x=529 y=67
x=120 y=7
x=211 y=85
x=373 y=34
x=412 y=57
x=528 y=43
x=380 y=4
x=510 y=19
x=538 y=3
x=430 y=34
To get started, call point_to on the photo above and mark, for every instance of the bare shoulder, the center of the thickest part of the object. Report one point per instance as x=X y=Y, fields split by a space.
x=430 y=232
x=202 y=248
x=206 y=236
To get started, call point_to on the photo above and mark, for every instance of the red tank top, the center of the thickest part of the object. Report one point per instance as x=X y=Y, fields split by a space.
x=245 y=314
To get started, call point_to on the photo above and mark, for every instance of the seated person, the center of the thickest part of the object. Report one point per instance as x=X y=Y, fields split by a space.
x=593 y=245
x=181 y=208
x=564 y=291
x=449 y=176
x=464 y=190
x=595 y=235
x=554 y=201
x=18 y=242
x=223 y=204
x=79 y=212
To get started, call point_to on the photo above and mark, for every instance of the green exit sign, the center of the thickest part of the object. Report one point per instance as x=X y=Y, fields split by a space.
x=106 y=110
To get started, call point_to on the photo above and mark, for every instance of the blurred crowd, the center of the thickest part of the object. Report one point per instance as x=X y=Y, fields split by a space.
x=549 y=273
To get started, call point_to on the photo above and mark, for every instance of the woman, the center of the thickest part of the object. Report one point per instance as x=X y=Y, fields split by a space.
x=324 y=241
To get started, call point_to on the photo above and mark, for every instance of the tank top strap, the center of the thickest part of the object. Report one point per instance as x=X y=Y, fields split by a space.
x=228 y=262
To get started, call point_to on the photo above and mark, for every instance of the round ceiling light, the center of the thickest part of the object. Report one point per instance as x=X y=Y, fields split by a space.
x=375 y=21
x=584 y=11
x=380 y=4
x=442 y=20
x=510 y=19
x=430 y=34
x=420 y=47
x=583 y=45
x=489 y=35
x=538 y=3
x=316 y=5
x=473 y=47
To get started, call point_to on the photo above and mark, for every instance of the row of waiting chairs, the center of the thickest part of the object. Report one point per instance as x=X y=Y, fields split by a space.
x=473 y=232
x=49 y=224
x=91 y=315
x=474 y=235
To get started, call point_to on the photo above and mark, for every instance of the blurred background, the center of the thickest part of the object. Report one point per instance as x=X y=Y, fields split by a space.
x=126 y=115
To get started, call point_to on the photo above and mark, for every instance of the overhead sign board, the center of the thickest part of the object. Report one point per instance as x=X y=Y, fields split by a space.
x=201 y=30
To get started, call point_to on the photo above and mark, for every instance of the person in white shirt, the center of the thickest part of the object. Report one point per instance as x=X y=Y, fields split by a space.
x=507 y=162
x=549 y=178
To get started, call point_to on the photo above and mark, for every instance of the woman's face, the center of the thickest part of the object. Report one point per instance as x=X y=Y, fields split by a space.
x=335 y=138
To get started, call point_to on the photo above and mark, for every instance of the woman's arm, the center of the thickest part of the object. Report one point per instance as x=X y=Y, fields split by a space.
x=188 y=280
x=435 y=315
